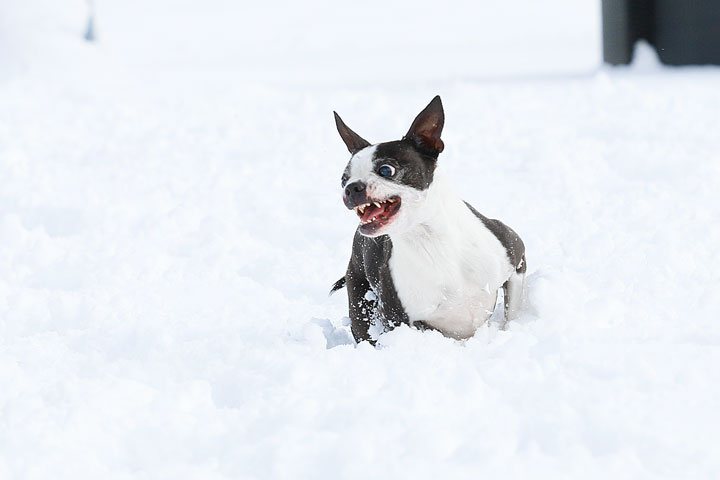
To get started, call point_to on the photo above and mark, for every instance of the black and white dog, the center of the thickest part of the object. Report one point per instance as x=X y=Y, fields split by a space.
x=421 y=255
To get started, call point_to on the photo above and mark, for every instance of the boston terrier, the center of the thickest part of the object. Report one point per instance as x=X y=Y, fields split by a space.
x=421 y=255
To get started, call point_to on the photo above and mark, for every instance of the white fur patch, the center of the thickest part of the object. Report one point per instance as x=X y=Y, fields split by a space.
x=446 y=265
x=361 y=165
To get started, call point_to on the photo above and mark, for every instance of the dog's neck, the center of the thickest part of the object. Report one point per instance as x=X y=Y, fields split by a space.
x=439 y=219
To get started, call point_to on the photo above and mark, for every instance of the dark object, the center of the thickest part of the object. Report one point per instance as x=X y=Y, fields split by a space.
x=684 y=32
x=90 y=32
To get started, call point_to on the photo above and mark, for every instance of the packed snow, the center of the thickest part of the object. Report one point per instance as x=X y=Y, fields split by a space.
x=171 y=222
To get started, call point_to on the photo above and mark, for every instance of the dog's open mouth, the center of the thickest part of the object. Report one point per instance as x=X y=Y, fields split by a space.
x=376 y=214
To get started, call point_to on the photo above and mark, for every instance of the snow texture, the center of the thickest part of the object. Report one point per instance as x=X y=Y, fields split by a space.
x=171 y=222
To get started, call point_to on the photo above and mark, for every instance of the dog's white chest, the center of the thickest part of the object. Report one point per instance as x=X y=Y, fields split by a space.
x=448 y=274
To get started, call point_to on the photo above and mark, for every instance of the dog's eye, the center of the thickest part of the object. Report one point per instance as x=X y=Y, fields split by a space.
x=386 y=171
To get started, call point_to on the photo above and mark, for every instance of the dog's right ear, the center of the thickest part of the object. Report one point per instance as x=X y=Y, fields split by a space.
x=427 y=127
x=354 y=142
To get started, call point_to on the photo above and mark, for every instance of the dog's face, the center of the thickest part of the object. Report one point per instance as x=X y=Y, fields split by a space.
x=386 y=184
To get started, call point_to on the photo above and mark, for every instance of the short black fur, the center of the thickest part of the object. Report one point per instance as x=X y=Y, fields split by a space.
x=405 y=156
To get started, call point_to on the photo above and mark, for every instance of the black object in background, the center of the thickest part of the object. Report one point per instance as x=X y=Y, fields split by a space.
x=684 y=32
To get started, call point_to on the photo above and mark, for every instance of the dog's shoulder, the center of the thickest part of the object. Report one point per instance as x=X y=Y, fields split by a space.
x=510 y=240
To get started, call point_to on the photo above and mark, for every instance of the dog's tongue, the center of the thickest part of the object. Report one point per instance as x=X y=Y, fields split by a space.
x=373 y=211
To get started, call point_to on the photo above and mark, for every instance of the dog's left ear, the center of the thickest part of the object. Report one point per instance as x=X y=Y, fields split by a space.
x=426 y=129
x=353 y=141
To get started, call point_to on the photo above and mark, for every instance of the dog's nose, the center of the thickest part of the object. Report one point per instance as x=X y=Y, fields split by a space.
x=354 y=193
x=354 y=188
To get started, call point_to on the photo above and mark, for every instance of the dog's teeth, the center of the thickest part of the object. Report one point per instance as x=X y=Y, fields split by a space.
x=362 y=209
x=391 y=200
x=377 y=204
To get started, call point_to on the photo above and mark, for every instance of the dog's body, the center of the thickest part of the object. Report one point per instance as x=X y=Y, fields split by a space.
x=421 y=255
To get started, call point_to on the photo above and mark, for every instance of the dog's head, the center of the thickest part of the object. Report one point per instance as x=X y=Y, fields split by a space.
x=386 y=183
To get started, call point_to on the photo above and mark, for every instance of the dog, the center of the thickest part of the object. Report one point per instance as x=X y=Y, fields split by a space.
x=421 y=255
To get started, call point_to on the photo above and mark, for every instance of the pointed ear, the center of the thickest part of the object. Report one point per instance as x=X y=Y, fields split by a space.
x=354 y=142
x=427 y=127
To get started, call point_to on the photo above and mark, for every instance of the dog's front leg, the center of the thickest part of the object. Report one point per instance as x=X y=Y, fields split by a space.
x=364 y=309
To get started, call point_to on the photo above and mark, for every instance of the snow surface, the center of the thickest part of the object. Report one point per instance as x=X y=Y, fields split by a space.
x=170 y=224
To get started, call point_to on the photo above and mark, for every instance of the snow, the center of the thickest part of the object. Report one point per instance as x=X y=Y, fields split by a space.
x=171 y=223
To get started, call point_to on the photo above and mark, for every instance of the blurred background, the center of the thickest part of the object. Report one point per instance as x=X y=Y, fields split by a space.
x=315 y=42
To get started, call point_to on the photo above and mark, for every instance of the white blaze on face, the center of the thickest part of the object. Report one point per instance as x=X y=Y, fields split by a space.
x=361 y=165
